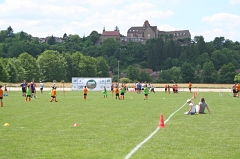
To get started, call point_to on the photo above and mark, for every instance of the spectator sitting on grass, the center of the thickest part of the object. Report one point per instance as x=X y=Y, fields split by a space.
x=201 y=106
x=192 y=109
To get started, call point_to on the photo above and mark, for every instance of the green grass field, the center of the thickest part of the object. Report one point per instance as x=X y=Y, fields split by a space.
x=110 y=128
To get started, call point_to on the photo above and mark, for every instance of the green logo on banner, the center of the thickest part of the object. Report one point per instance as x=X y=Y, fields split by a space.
x=91 y=84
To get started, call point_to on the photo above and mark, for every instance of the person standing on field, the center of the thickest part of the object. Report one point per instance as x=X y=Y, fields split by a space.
x=104 y=92
x=29 y=93
x=33 y=88
x=41 y=85
x=122 y=93
x=117 y=93
x=112 y=89
x=23 y=85
x=1 y=96
x=168 y=88
x=54 y=95
x=234 y=90
x=5 y=89
x=146 y=92
x=85 y=90
x=152 y=89
x=190 y=87
x=238 y=90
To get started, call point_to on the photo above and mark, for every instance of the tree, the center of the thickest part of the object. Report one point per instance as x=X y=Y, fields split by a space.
x=94 y=36
x=12 y=71
x=28 y=62
x=4 y=76
x=237 y=78
x=209 y=73
x=9 y=31
x=144 y=76
x=88 y=67
x=198 y=74
x=52 y=66
x=171 y=75
x=201 y=46
x=187 y=72
x=227 y=73
x=75 y=68
x=15 y=49
x=110 y=46
x=22 y=36
x=218 y=58
x=219 y=42
x=65 y=36
x=51 y=40
x=19 y=69
x=102 y=67
x=3 y=35
x=132 y=73
x=203 y=58
x=156 y=53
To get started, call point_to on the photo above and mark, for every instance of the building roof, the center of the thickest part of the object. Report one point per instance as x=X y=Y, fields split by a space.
x=111 y=33
x=141 y=29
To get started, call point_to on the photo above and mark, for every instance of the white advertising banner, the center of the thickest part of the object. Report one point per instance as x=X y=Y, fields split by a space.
x=95 y=84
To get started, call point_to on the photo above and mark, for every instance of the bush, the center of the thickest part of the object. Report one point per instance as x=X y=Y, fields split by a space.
x=125 y=80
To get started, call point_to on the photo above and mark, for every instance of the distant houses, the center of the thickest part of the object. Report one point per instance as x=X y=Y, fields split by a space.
x=45 y=40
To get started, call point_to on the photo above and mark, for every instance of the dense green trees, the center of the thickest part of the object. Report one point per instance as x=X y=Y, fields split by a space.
x=25 y=57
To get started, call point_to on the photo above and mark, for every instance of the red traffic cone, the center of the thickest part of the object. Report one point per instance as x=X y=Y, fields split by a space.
x=161 y=122
x=76 y=124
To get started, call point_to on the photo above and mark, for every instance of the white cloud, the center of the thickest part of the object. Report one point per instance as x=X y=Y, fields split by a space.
x=234 y=2
x=223 y=19
x=226 y=25
x=166 y=27
x=78 y=17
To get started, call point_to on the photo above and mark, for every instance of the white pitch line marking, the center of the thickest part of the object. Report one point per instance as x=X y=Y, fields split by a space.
x=151 y=135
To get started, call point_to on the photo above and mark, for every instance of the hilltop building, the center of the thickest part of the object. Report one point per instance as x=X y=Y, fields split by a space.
x=145 y=32
x=109 y=34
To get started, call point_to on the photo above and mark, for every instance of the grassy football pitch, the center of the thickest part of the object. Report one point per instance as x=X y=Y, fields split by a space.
x=111 y=129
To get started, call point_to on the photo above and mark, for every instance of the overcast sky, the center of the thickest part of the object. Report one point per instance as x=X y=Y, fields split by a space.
x=41 y=18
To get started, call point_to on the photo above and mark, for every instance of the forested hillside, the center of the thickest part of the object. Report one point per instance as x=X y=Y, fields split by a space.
x=25 y=57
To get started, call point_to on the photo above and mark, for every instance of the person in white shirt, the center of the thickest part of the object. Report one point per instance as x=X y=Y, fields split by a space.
x=41 y=85
x=192 y=109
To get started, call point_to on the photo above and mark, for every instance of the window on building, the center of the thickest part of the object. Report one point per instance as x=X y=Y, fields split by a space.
x=148 y=36
x=131 y=35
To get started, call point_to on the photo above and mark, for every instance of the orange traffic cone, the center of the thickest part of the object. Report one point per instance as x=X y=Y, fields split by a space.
x=161 y=122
